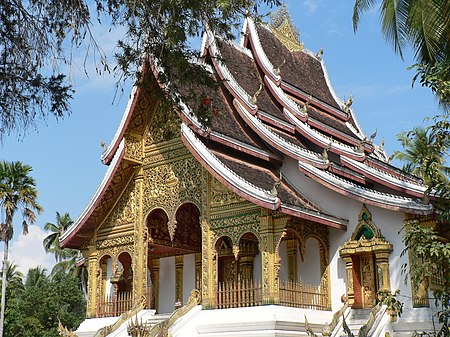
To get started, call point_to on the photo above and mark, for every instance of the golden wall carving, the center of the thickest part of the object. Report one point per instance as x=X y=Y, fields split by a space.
x=123 y=212
x=115 y=242
x=170 y=185
x=134 y=148
x=222 y=196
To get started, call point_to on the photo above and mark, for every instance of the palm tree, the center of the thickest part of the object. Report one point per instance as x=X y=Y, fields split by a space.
x=51 y=242
x=65 y=257
x=424 y=25
x=17 y=193
x=36 y=277
x=14 y=277
x=424 y=155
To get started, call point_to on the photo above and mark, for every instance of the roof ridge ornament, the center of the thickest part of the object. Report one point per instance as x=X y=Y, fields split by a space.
x=274 y=191
x=348 y=104
x=254 y=98
x=306 y=104
x=319 y=54
x=284 y=29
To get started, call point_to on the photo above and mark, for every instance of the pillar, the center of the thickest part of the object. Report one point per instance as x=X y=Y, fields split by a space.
x=349 y=269
x=92 y=284
x=198 y=271
x=209 y=281
x=179 y=278
x=382 y=263
x=269 y=258
x=155 y=288
x=139 y=260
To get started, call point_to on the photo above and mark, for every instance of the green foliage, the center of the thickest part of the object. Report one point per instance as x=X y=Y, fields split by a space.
x=391 y=302
x=35 y=309
x=38 y=36
x=424 y=154
x=422 y=25
x=430 y=249
x=17 y=193
x=437 y=78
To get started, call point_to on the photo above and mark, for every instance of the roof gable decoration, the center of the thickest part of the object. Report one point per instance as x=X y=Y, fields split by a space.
x=366 y=228
x=284 y=29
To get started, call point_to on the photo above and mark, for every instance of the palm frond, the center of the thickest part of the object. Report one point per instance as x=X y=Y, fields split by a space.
x=360 y=7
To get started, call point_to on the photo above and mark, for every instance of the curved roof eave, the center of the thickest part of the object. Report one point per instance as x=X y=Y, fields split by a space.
x=108 y=155
x=385 y=178
x=236 y=183
x=246 y=189
x=379 y=199
x=84 y=216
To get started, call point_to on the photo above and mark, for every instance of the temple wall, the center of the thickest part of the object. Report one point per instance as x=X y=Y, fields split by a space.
x=389 y=222
x=309 y=268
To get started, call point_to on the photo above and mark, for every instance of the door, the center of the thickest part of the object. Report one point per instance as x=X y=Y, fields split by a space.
x=368 y=281
x=364 y=281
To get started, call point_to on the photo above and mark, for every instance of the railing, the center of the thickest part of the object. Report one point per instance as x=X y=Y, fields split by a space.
x=116 y=304
x=303 y=295
x=244 y=293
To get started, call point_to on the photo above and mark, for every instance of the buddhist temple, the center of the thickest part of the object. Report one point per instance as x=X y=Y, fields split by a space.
x=255 y=206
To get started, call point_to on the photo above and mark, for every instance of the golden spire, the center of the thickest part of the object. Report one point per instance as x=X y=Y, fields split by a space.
x=283 y=28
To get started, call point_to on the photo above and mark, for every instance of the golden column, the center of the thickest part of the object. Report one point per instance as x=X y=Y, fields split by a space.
x=140 y=244
x=179 y=278
x=382 y=265
x=92 y=283
x=271 y=233
x=209 y=267
x=155 y=288
x=198 y=271
x=349 y=269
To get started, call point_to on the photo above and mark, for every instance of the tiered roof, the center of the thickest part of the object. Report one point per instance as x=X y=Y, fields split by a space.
x=275 y=102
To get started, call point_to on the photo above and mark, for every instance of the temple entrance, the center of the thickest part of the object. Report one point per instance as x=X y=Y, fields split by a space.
x=364 y=281
x=174 y=256
x=239 y=272
x=366 y=257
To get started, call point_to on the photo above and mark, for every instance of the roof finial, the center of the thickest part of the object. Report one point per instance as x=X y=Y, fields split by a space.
x=254 y=99
x=274 y=191
x=306 y=105
x=277 y=70
x=284 y=29
x=381 y=147
x=103 y=145
x=372 y=136
x=325 y=151
x=349 y=103
x=319 y=54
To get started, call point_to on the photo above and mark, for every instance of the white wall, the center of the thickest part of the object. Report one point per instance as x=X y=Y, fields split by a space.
x=309 y=269
x=109 y=287
x=389 y=222
x=166 y=298
x=188 y=276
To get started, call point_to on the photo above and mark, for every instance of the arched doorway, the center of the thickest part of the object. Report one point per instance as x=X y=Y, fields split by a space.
x=366 y=257
x=174 y=256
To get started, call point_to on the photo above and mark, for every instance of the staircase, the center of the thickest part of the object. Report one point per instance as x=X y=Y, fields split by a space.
x=356 y=319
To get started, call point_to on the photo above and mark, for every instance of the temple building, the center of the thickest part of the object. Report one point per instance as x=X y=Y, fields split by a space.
x=254 y=206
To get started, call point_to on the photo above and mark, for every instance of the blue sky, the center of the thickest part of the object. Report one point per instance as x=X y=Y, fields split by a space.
x=65 y=155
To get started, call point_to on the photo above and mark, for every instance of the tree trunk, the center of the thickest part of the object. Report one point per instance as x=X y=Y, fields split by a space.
x=5 y=264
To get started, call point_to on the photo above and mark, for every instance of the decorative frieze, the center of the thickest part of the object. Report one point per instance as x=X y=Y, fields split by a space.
x=115 y=242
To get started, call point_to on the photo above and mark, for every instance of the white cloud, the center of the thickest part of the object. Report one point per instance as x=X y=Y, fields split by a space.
x=311 y=6
x=27 y=251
